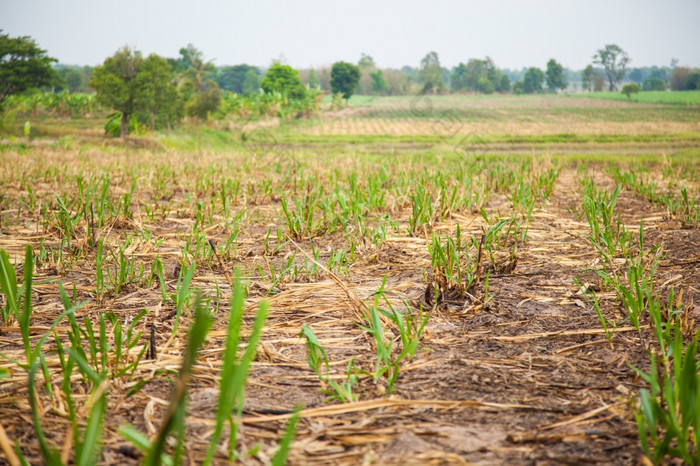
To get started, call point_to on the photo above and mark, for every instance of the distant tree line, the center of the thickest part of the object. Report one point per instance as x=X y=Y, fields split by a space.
x=159 y=91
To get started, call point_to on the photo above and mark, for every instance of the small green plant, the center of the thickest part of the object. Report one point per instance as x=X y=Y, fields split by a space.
x=667 y=415
x=234 y=370
x=318 y=362
x=422 y=210
x=409 y=329
x=608 y=233
x=174 y=420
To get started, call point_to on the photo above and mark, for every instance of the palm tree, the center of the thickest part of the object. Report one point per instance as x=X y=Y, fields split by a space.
x=196 y=75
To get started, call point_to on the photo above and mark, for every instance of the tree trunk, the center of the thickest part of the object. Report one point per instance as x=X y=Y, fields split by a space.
x=124 y=130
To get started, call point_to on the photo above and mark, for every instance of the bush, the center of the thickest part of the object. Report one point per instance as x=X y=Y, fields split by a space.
x=629 y=89
x=654 y=84
x=204 y=103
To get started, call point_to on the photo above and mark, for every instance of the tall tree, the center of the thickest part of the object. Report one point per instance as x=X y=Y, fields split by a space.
x=201 y=90
x=313 y=80
x=431 y=74
x=379 y=82
x=614 y=61
x=344 y=78
x=133 y=86
x=587 y=76
x=555 y=76
x=532 y=82
x=251 y=82
x=198 y=71
x=366 y=62
x=23 y=66
x=162 y=104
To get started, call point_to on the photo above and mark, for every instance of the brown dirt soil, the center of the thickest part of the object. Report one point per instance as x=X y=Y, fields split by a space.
x=528 y=378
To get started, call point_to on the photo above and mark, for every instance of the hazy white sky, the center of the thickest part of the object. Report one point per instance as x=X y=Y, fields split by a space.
x=515 y=33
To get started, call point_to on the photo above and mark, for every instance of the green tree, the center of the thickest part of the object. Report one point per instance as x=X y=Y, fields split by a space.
x=344 y=78
x=614 y=61
x=587 y=76
x=532 y=82
x=505 y=83
x=203 y=103
x=162 y=102
x=485 y=86
x=23 y=66
x=629 y=89
x=74 y=80
x=231 y=78
x=379 y=82
x=251 y=83
x=313 y=80
x=202 y=93
x=283 y=79
x=366 y=62
x=198 y=72
x=458 y=77
x=471 y=76
x=654 y=84
x=431 y=74
x=555 y=76
x=133 y=86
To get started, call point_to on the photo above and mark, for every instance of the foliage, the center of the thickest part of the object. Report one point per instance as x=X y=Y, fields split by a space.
x=63 y=103
x=204 y=103
x=283 y=79
x=23 y=66
x=279 y=105
x=629 y=89
x=431 y=74
x=197 y=75
x=532 y=82
x=614 y=61
x=555 y=76
x=682 y=80
x=201 y=91
x=344 y=78
x=162 y=105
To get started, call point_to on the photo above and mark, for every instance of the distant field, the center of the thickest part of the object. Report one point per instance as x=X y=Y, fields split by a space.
x=653 y=97
x=531 y=115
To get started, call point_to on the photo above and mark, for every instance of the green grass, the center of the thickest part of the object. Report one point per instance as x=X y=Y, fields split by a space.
x=653 y=97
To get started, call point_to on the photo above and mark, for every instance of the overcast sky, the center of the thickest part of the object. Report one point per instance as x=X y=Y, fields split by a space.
x=515 y=33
